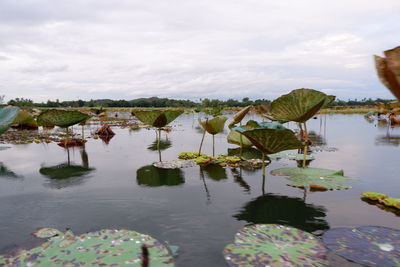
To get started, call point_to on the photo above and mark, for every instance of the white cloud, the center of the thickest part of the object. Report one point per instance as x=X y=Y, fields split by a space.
x=192 y=49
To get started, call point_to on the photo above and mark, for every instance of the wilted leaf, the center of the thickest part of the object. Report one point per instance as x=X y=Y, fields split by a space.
x=61 y=118
x=7 y=116
x=157 y=118
x=214 y=126
x=275 y=245
x=389 y=70
x=238 y=117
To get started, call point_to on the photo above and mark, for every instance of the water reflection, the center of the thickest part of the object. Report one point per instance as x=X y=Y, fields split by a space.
x=214 y=172
x=67 y=174
x=381 y=206
x=316 y=139
x=106 y=138
x=164 y=144
x=391 y=140
x=153 y=177
x=292 y=211
x=246 y=153
x=6 y=172
x=238 y=178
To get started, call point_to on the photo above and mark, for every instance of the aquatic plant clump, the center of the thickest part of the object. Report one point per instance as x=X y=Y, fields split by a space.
x=366 y=245
x=106 y=247
x=275 y=245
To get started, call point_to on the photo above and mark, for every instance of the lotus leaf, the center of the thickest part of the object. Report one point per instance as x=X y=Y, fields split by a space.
x=203 y=160
x=65 y=171
x=237 y=138
x=157 y=118
x=292 y=156
x=373 y=195
x=106 y=247
x=25 y=119
x=61 y=118
x=270 y=141
x=174 y=164
x=299 y=105
x=275 y=245
x=314 y=178
x=189 y=155
x=389 y=70
x=366 y=245
x=328 y=101
x=214 y=126
x=7 y=116
x=154 y=177
x=391 y=202
x=238 y=117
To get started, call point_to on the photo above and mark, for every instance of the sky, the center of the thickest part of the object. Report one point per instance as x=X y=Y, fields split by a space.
x=186 y=49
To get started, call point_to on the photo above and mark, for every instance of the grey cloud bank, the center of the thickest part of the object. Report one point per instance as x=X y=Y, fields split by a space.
x=192 y=49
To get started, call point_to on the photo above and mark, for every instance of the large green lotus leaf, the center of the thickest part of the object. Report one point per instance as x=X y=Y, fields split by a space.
x=328 y=100
x=61 y=118
x=157 y=118
x=366 y=245
x=25 y=119
x=299 y=105
x=107 y=247
x=239 y=139
x=153 y=177
x=214 y=126
x=275 y=245
x=314 y=178
x=7 y=116
x=64 y=171
x=270 y=141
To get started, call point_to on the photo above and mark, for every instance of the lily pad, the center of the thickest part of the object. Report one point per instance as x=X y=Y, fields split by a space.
x=366 y=245
x=215 y=125
x=61 y=118
x=275 y=245
x=7 y=116
x=373 y=195
x=299 y=105
x=154 y=177
x=157 y=118
x=174 y=164
x=391 y=202
x=291 y=156
x=314 y=178
x=189 y=155
x=107 y=247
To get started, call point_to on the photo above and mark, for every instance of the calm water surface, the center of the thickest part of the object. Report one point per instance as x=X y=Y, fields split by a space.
x=199 y=210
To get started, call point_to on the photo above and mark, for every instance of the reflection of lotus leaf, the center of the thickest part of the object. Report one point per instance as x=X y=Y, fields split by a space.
x=314 y=178
x=392 y=140
x=275 y=245
x=103 y=248
x=214 y=126
x=152 y=176
x=215 y=172
x=270 y=141
x=157 y=118
x=237 y=138
x=366 y=245
x=64 y=171
x=61 y=118
x=299 y=105
x=290 y=211
x=246 y=153
x=5 y=172
x=25 y=119
x=164 y=144
x=7 y=116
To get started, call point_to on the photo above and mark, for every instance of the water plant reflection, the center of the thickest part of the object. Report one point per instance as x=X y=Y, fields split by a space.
x=154 y=177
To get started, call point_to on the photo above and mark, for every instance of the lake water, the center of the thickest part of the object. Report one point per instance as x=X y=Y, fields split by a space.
x=197 y=209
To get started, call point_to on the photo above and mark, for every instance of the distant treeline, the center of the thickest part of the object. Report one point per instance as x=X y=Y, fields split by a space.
x=166 y=102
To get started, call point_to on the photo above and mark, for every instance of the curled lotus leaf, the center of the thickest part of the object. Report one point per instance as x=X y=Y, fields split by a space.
x=275 y=245
x=299 y=105
x=107 y=247
x=314 y=178
x=157 y=118
x=236 y=138
x=25 y=119
x=215 y=125
x=238 y=117
x=328 y=101
x=366 y=245
x=388 y=69
x=270 y=141
x=7 y=116
x=373 y=195
x=61 y=118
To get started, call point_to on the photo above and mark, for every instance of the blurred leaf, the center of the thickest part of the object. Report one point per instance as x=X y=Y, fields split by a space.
x=61 y=118
x=7 y=116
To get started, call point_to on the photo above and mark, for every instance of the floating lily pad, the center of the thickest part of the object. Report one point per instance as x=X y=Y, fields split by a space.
x=189 y=155
x=275 y=245
x=366 y=245
x=101 y=248
x=7 y=116
x=154 y=177
x=391 y=202
x=314 y=178
x=174 y=164
x=292 y=156
x=373 y=195
x=215 y=125
x=157 y=118
x=61 y=118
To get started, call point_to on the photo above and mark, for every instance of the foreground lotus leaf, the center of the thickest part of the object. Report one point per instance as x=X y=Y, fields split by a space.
x=7 y=116
x=236 y=138
x=157 y=118
x=328 y=100
x=174 y=164
x=366 y=245
x=299 y=105
x=373 y=195
x=106 y=247
x=275 y=245
x=215 y=125
x=388 y=69
x=61 y=118
x=314 y=178
x=270 y=141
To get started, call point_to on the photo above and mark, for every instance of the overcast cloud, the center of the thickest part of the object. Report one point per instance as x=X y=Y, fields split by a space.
x=125 y=49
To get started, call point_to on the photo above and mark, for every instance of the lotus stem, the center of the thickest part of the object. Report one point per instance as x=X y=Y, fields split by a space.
x=158 y=143
x=263 y=164
x=201 y=143
x=83 y=132
x=241 y=143
x=213 y=145
x=306 y=145
x=66 y=140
